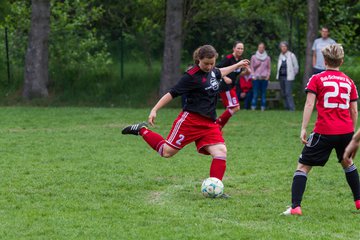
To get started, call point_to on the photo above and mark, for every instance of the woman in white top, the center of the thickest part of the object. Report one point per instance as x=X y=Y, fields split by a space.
x=287 y=68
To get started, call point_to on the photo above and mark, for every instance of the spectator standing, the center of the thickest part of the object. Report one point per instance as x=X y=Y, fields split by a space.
x=260 y=69
x=318 y=45
x=287 y=68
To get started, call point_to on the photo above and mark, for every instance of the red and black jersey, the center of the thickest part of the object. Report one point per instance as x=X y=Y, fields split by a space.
x=201 y=90
x=334 y=92
x=228 y=61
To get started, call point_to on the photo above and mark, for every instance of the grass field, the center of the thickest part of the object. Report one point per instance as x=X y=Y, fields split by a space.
x=67 y=173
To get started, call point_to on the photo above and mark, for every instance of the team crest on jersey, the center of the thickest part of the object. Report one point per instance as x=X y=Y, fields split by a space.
x=214 y=84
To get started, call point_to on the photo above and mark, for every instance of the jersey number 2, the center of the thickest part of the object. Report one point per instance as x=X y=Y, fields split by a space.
x=335 y=94
x=181 y=138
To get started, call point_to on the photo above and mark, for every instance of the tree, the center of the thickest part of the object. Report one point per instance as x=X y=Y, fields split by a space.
x=36 y=74
x=172 y=46
x=312 y=30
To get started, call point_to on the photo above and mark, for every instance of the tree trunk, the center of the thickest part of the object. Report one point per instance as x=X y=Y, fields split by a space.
x=36 y=74
x=312 y=30
x=170 y=72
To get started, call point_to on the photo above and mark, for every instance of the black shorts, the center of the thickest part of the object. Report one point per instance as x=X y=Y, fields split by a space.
x=318 y=149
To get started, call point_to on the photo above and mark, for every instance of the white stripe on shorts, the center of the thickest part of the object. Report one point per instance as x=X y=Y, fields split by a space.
x=230 y=100
x=177 y=126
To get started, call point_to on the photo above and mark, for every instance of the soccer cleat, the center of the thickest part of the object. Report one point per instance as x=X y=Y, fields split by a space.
x=224 y=195
x=134 y=129
x=357 y=204
x=293 y=211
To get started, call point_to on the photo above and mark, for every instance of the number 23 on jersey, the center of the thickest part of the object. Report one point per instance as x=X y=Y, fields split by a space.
x=331 y=97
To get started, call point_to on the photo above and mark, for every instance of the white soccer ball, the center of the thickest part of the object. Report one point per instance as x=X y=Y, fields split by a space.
x=212 y=187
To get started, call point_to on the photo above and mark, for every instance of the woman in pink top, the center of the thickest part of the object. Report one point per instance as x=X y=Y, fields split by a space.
x=260 y=69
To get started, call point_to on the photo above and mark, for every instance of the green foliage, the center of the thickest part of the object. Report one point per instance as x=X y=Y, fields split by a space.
x=77 y=53
x=248 y=21
x=343 y=19
x=67 y=173
x=140 y=22
x=87 y=39
x=4 y=8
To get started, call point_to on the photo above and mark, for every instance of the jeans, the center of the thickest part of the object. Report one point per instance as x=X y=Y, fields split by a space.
x=259 y=85
x=286 y=93
x=247 y=99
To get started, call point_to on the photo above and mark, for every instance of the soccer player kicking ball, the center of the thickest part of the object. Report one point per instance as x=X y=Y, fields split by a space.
x=229 y=97
x=196 y=123
x=336 y=97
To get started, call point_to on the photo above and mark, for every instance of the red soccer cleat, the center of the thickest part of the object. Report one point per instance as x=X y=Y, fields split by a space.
x=357 y=204
x=293 y=211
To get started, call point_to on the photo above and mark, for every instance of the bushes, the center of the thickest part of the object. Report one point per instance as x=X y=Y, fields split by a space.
x=85 y=43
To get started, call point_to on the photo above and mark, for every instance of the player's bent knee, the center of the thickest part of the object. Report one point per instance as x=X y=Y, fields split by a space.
x=168 y=151
x=303 y=168
x=346 y=164
x=218 y=150
x=235 y=109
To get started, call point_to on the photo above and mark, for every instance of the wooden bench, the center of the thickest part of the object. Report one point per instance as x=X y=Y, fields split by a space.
x=273 y=94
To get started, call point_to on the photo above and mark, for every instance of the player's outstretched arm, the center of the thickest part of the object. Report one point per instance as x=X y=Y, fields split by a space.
x=308 y=108
x=226 y=70
x=351 y=149
x=161 y=103
x=227 y=80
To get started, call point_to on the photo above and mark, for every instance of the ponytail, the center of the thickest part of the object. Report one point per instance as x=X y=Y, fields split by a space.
x=196 y=56
x=205 y=51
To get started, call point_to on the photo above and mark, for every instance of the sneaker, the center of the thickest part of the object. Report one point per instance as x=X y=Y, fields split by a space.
x=293 y=211
x=134 y=129
x=357 y=204
x=224 y=195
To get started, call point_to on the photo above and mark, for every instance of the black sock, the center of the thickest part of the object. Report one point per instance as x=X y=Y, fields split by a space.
x=352 y=177
x=298 y=188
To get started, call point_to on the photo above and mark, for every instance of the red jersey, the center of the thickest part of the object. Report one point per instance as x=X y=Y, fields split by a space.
x=334 y=92
x=245 y=83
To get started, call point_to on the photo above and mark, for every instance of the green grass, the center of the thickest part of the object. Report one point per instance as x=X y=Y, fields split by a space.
x=67 y=173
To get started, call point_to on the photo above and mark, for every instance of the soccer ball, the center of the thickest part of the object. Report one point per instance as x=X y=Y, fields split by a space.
x=212 y=187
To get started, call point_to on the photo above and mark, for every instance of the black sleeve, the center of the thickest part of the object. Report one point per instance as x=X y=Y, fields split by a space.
x=185 y=85
x=217 y=73
x=224 y=63
x=222 y=84
x=223 y=87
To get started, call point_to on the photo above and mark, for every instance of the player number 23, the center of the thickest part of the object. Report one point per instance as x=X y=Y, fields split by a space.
x=335 y=94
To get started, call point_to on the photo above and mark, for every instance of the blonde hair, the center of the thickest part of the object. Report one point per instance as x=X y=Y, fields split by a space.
x=205 y=51
x=333 y=55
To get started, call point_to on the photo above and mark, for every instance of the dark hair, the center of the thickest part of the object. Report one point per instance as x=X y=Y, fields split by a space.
x=236 y=43
x=205 y=51
x=325 y=27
